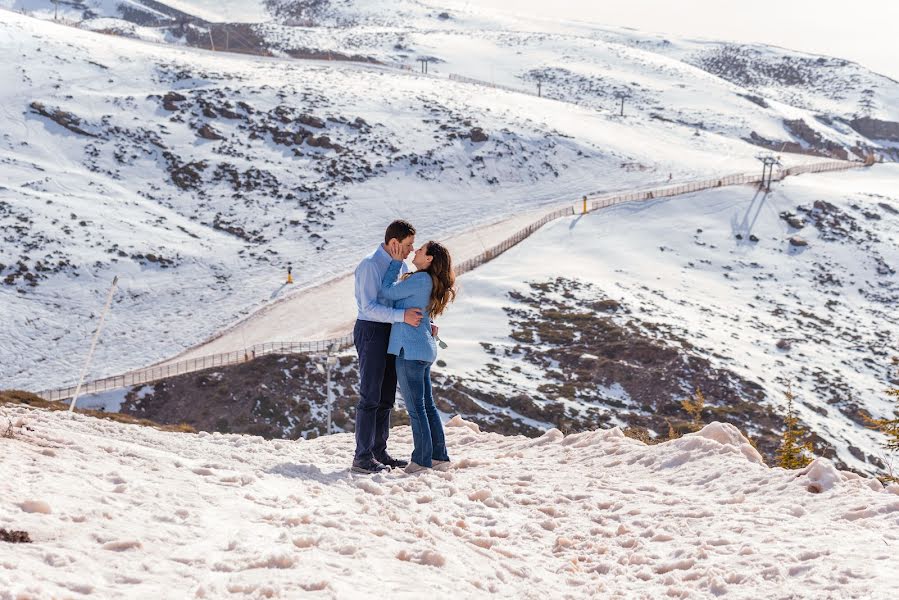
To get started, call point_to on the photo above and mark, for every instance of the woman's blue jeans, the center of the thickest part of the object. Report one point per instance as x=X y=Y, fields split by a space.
x=414 y=377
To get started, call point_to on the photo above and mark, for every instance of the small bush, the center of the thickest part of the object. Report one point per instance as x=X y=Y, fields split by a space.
x=642 y=434
x=694 y=406
x=890 y=428
x=795 y=451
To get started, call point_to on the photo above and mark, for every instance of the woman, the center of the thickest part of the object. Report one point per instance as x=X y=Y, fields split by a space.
x=431 y=287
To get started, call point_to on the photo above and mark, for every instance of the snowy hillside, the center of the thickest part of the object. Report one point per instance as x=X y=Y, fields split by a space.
x=197 y=177
x=824 y=101
x=148 y=13
x=565 y=327
x=123 y=511
x=751 y=88
x=108 y=169
x=817 y=101
x=615 y=317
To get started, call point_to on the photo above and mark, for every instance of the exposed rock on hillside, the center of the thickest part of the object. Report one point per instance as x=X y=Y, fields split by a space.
x=61 y=117
x=876 y=129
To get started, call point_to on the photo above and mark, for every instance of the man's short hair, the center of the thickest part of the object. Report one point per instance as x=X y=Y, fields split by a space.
x=399 y=230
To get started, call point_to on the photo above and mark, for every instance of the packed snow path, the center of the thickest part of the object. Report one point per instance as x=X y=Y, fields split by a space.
x=327 y=310
x=119 y=511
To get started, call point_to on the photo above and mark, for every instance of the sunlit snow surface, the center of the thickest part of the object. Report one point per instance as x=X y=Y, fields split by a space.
x=123 y=511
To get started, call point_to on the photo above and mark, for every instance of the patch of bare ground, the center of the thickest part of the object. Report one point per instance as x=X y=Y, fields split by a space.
x=28 y=399
x=273 y=396
x=14 y=537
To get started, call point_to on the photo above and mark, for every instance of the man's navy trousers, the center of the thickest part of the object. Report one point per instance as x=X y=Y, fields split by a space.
x=377 y=388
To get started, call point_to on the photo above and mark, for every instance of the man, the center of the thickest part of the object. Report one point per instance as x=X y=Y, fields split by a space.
x=377 y=371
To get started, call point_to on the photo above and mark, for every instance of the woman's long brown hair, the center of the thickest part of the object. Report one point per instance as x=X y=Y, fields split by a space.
x=443 y=290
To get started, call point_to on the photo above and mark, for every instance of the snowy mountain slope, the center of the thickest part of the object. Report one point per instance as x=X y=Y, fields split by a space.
x=824 y=104
x=827 y=28
x=144 y=12
x=123 y=511
x=81 y=11
x=614 y=317
x=112 y=164
x=818 y=317
x=592 y=65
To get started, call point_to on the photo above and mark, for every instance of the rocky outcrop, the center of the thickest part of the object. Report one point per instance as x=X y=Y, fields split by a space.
x=186 y=176
x=170 y=101
x=477 y=135
x=811 y=142
x=311 y=121
x=322 y=142
x=800 y=129
x=792 y=220
x=62 y=118
x=781 y=146
x=208 y=133
x=758 y=100
x=876 y=129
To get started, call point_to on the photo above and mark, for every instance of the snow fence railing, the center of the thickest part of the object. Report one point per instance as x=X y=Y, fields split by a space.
x=515 y=90
x=472 y=80
x=152 y=374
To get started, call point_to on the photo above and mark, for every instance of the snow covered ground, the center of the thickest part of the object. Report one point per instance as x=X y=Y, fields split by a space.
x=678 y=264
x=119 y=511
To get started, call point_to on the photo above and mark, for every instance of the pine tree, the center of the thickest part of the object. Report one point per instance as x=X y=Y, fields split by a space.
x=890 y=428
x=694 y=406
x=795 y=451
x=673 y=434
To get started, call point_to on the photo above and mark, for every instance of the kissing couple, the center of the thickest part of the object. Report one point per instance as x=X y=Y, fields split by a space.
x=395 y=340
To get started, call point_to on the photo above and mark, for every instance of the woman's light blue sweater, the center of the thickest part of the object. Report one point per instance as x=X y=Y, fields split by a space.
x=416 y=343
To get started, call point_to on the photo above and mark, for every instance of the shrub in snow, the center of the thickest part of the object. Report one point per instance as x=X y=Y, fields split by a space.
x=890 y=428
x=641 y=434
x=795 y=451
x=14 y=537
x=694 y=405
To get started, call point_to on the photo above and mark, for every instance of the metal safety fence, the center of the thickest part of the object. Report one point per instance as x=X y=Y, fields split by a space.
x=153 y=374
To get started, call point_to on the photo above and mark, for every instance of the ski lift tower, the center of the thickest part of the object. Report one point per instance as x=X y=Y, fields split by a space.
x=768 y=161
